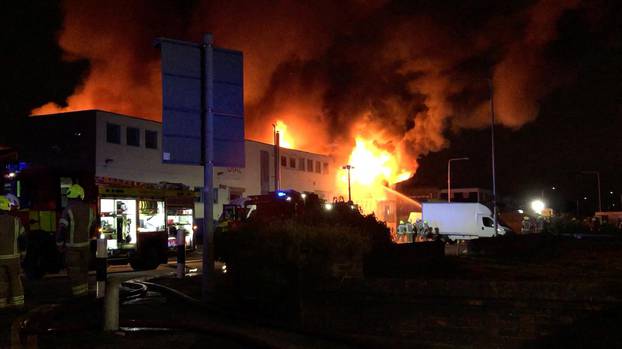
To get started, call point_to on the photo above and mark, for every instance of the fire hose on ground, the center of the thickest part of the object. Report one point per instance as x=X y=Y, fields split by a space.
x=39 y=322
x=135 y=289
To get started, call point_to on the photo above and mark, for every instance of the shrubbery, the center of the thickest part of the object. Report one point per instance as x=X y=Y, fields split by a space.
x=567 y=225
x=564 y=225
x=317 y=243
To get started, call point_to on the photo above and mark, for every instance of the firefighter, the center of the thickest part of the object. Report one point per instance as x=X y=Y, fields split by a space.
x=401 y=232
x=73 y=236
x=526 y=225
x=410 y=231
x=11 y=292
x=14 y=201
x=419 y=230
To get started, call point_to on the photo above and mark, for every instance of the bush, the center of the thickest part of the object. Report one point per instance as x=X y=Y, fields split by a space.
x=567 y=225
x=564 y=225
x=317 y=244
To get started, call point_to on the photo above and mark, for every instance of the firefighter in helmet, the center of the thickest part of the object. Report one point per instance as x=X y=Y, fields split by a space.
x=73 y=237
x=12 y=292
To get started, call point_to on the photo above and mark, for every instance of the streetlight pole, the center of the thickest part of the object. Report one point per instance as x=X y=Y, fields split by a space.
x=597 y=173
x=492 y=143
x=492 y=149
x=449 y=176
x=277 y=158
x=349 y=167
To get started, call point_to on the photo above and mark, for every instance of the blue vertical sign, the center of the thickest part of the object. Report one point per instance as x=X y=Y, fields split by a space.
x=202 y=119
x=185 y=107
x=228 y=111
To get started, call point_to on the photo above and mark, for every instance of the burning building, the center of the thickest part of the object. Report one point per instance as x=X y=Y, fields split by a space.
x=95 y=146
x=376 y=85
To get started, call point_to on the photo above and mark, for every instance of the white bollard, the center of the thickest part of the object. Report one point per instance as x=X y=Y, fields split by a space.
x=111 y=305
x=101 y=266
x=181 y=253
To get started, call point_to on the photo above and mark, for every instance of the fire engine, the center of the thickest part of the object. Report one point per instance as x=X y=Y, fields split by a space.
x=138 y=220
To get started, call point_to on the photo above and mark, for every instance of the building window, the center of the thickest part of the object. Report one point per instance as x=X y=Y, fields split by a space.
x=151 y=139
x=292 y=162
x=325 y=169
x=301 y=164
x=283 y=161
x=198 y=197
x=318 y=167
x=113 y=133
x=309 y=165
x=132 y=136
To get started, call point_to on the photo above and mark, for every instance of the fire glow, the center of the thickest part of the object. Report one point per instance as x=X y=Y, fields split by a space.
x=373 y=169
x=287 y=140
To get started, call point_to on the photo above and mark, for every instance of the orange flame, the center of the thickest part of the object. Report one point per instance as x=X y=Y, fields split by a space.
x=287 y=140
x=373 y=169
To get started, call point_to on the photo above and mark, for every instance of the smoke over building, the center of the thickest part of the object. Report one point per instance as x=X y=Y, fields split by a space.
x=399 y=73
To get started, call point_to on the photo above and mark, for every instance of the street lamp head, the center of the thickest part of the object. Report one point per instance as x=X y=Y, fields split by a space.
x=538 y=206
x=457 y=159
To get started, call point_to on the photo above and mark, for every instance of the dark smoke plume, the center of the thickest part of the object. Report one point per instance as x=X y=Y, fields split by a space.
x=403 y=73
x=34 y=69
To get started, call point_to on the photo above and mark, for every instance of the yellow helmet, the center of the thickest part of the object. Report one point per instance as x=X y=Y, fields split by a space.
x=75 y=191
x=5 y=204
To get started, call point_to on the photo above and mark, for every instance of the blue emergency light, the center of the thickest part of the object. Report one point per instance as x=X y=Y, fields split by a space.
x=280 y=194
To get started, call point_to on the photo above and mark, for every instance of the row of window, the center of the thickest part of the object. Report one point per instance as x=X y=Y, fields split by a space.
x=305 y=164
x=132 y=136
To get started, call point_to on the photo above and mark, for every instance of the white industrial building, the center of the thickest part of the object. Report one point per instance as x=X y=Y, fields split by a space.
x=129 y=148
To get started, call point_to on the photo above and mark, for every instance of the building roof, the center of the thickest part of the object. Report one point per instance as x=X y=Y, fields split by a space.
x=155 y=122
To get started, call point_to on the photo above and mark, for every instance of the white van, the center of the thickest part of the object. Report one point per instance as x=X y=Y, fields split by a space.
x=460 y=220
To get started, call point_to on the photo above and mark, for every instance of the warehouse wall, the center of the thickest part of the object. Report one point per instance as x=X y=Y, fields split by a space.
x=142 y=164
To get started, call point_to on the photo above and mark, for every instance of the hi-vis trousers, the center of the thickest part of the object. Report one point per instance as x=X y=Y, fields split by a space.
x=11 y=290
x=77 y=259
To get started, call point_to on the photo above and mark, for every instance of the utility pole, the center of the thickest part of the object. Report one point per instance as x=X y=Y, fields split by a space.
x=449 y=176
x=597 y=173
x=492 y=145
x=277 y=158
x=207 y=111
x=349 y=167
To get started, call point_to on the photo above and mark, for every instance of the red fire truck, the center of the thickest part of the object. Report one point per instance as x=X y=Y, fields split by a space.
x=140 y=220
x=136 y=218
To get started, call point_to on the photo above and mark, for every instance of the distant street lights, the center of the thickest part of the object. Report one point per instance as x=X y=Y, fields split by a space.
x=449 y=176
x=349 y=167
x=600 y=207
x=550 y=199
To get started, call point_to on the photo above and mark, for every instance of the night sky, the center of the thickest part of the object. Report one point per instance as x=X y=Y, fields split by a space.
x=408 y=70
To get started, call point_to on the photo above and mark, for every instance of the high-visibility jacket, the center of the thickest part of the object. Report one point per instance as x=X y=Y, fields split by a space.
x=10 y=230
x=76 y=221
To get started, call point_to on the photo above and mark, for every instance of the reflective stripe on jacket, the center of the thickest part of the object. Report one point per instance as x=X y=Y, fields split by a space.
x=77 y=218
x=10 y=229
